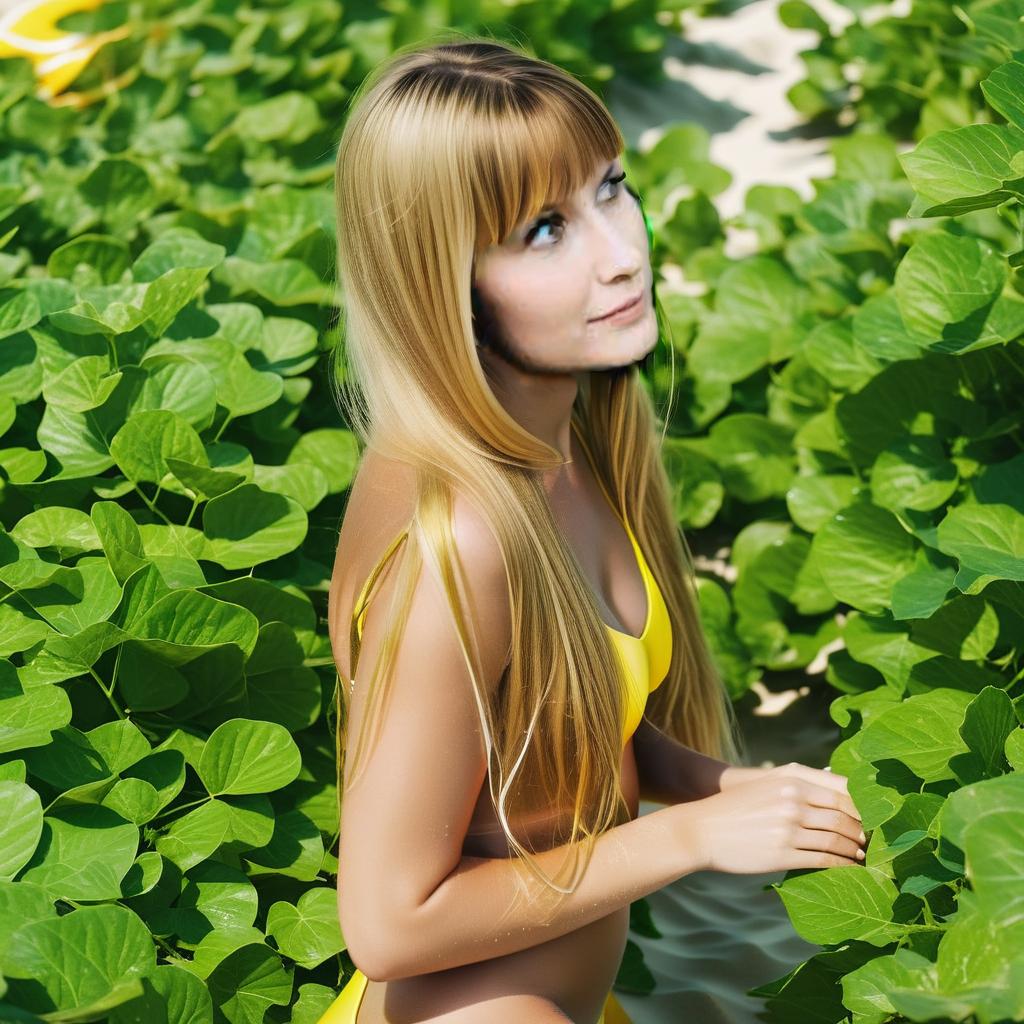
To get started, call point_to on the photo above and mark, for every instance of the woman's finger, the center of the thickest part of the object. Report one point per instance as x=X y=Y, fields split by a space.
x=827 y=842
x=835 y=821
x=826 y=796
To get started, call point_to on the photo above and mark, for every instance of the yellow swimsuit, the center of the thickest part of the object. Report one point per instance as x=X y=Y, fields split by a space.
x=644 y=659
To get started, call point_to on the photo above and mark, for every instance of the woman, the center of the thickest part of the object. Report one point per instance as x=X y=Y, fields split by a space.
x=510 y=575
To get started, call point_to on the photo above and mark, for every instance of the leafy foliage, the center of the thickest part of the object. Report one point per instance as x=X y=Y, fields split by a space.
x=172 y=480
x=851 y=416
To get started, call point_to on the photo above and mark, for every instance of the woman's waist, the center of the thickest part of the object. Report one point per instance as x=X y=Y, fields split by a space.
x=575 y=970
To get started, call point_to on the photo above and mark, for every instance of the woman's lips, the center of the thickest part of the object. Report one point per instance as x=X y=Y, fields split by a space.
x=620 y=309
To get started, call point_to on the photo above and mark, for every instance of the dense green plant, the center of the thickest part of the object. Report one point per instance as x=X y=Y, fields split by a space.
x=172 y=477
x=910 y=73
x=852 y=423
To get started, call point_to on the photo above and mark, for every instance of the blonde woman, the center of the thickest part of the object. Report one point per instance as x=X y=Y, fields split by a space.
x=510 y=576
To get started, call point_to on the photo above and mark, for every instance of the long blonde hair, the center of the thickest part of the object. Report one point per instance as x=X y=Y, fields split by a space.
x=447 y=147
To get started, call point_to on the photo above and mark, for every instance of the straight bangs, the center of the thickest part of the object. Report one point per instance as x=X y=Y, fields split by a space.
x=550 y=139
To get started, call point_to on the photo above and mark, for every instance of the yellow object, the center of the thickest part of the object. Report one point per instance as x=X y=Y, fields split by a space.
x=29 y=29
x=645 y=658
x=344 y=1009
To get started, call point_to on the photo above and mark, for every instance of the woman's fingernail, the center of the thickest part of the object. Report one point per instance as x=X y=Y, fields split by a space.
x=860 y=854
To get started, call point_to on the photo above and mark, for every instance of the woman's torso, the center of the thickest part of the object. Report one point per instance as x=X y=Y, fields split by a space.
x=575 y=970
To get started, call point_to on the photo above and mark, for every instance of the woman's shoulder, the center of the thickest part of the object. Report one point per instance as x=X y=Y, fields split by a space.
x=380 y=508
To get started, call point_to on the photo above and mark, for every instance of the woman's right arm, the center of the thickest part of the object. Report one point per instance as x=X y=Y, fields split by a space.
x=409 y=901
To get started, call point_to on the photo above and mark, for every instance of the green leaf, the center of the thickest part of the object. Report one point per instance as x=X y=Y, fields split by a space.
x=988 y=539
x=21 y=903
x=913 y=473
x=179 y=626
x=247 y=526
x=988 y=724
x=213 y=896
x=289 y=117
x=989 y=830
x=29 y=718
x=309 y=931
x=82 y=385
x=67 y=530
x=193 y=837
x=104 y=256
x=242 y=756
x=246 y=390
x=119 y=743
x=945 y=286
x=79 y=958
x=837 y=904
x=214 y=946
x=247 y=982
x=334 y=452
x=923 y=732
x=84 y=853
x=173 y=995
x=1013 y=749
x=313 y=1002
x=754 y=454
x=862 y=552
x=22 y=810
x=964 y=168
x=134 y=799
x=865 y=990
x=120 y=537
x=295 y=850
x=143 y=874
x=164 y=771
x=1004 y=89
x=142 y=445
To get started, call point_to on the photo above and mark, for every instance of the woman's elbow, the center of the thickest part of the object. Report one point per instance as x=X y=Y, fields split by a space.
x=371 y=950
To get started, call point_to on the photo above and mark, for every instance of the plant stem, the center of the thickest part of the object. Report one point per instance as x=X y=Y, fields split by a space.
x=108 y=694
x=223 y=426
x=149 y=504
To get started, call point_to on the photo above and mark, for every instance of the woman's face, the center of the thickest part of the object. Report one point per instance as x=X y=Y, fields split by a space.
x=546 y=288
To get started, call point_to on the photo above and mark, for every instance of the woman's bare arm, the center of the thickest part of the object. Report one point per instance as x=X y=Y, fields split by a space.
x=476 y=914
x=670 y=772
x=409 y=901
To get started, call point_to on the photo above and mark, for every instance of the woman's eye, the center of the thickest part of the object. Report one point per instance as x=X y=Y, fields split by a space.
x=541 y=223
x=555 y=218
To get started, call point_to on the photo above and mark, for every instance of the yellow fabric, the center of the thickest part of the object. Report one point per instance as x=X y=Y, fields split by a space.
x=645 y=658
x=344 y=1009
